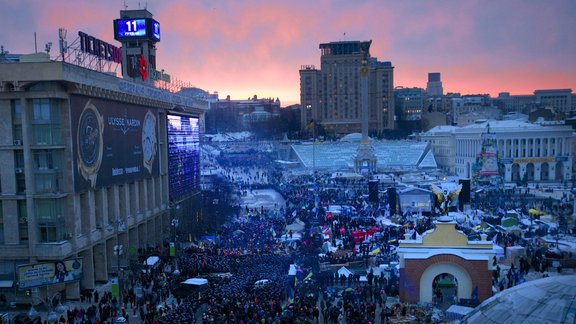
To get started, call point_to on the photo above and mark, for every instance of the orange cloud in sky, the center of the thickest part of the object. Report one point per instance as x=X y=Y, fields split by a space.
x=255 y=47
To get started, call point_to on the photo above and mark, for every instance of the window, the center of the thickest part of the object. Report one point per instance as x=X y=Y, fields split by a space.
x=22 y=221
x=20 y=182
x=19 y=159
x=45 y=122
x=16 y=111
x=1 y=224
x=47 y=182
x=43 y=160
x=41 y=111
x=16 y=120
x=48 y=214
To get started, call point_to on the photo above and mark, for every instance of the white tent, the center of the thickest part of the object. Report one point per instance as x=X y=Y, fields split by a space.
x=344 y=271
x=292 y=270
x=297 y=226
x=151 y=261
x=195 y=281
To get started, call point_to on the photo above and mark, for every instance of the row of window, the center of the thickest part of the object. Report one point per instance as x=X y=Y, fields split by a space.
x=48 y=215
x=44 y=121
x=518 y=148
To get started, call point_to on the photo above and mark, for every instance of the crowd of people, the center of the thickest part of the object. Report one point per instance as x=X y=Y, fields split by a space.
x=258 y=272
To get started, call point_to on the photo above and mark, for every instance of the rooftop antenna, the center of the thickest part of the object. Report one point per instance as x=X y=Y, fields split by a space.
x=125 y=5
x=62 y=32
x=47 y=47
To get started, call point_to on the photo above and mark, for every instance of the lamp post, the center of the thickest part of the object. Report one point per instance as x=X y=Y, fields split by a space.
x=573 y=191
x=118 y=251
x=175 y=222
x=48 y=301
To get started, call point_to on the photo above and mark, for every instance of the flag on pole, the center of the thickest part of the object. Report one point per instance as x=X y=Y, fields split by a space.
x=375 y=250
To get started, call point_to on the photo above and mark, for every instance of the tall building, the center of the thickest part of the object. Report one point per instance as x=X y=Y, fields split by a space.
x=411 y=102
x=559 y=99
x=95 y=167
x=434 y=85
x=331 y=96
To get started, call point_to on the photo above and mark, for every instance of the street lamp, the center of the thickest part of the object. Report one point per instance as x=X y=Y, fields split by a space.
x=175 y=223
x=573 y=191
x=118 y=251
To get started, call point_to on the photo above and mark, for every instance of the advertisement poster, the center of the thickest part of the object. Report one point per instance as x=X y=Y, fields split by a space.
x=488 y=170
x=113 y=142
x=43 y=274
x=183 y=156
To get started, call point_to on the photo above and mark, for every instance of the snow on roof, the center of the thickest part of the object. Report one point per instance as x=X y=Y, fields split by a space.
x=389 y=154
x=353 y=137
x=429 y=161
x=441 y=129
x=195 y=281
x=228 y=137
x=536 y=301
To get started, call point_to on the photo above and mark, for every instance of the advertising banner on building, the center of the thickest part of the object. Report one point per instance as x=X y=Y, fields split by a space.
x=488 y=170
x=183 y=156
x=112 y=142
x=43 y=274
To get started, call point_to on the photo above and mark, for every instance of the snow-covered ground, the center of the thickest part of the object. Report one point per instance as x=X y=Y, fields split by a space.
x=268 y=198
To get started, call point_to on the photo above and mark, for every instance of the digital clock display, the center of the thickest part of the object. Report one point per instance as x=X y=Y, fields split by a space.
x=128 y=28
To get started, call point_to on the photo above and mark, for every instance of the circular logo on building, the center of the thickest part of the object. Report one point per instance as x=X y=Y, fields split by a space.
x=143 y=68
x=149 y=140
x=89 y=142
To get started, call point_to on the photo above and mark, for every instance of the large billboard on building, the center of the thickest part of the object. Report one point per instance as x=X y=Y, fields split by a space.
x=112 y=142
x=43 y=274
x=488 y=170
x=183 y=156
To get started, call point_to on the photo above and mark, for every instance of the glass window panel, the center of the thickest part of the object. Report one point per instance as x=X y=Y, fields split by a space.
x=22 y=220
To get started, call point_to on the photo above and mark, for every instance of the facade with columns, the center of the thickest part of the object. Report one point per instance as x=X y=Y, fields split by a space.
x=529 y=152
x=65 y=195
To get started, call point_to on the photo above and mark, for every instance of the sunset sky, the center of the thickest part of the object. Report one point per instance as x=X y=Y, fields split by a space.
x=245 y=48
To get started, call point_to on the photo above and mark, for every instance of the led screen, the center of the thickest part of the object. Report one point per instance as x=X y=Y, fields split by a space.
x=126 y=28
x=183 y=156
x=155 y=30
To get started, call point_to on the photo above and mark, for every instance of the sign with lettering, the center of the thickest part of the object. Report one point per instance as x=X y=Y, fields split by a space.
x=99 y=48
x=112 y=142
x=546 y=159
x=43 y=274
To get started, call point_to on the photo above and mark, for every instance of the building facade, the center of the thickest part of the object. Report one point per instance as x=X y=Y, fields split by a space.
x=442 y=143
x=529 y=152
x=331 y=96
x=434 y=85
x=87 y=169
x=559 y=99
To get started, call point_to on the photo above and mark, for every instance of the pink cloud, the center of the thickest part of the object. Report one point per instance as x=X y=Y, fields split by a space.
x=257 y=47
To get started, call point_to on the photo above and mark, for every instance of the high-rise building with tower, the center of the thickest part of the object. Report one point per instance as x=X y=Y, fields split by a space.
x=95 y=167
x=331 y=96
x=434 y=85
